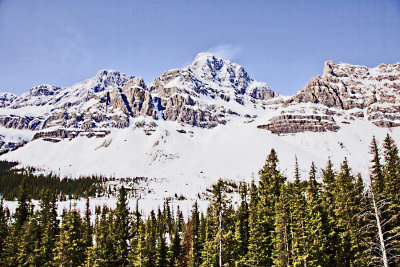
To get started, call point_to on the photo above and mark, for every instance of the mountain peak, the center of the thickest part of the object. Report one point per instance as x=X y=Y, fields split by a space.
x=203 y=56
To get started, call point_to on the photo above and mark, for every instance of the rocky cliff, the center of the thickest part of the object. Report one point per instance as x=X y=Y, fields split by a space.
x=207 y=93
x=343 y=93
x=203 y=94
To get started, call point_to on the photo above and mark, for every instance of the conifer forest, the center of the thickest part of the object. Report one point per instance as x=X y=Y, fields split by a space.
x=329 y=218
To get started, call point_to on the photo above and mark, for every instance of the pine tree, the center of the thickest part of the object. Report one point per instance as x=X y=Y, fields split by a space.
x=270 y=185
x=29 y=243
x=298 y=234
x=316 y=227
x=377 y=177
x=215 y=248
x=23 y=209
x=105 y=244
x=49 y=225
x=149 y=257
x=136 y=237
x=242 y=227
x=70 y=247
x=88 y=230
x=122 y=227
x=21 y=217
x=346 y=211
x=391 y=191
x=161 y=246
x=280 y=253
x=195 y=256
x=328 y=205
x=255 y=228
x=3 y=231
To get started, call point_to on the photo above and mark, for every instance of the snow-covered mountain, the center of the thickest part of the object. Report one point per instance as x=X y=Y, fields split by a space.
x=193 y=125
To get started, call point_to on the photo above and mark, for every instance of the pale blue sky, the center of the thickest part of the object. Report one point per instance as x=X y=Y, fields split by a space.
x=283 y=43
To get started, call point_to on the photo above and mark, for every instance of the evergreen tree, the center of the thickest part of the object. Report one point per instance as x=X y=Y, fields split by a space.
x=280 y=253
x=255 y=228
x=195 y=251
x=270 y=185
x=161 y=246
x=49 y=225
x=298 y=233
x=316 y=227
x=391 y=191
x=105 y=244
x=346 y=211
x=328 y=205
x=70 y=247
x=242 y=227
x=29 y=243
x=23 y=209
x=21 y=216
x=149 y=257
x=136 y=240
x=122 y=227
x=3 y=231
x=377 y=177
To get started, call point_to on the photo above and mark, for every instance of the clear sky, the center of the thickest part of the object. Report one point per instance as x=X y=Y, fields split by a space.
x=283 y=43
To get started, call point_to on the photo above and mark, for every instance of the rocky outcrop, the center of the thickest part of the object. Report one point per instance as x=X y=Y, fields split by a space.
x=287 y=124
x=70 y=134
x=347 y=91
x=19 y=122
x=6 y=146
x=6 y=99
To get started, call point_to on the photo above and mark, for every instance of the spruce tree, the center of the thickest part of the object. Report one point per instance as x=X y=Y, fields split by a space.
x=70 y=247
x=88 y=231
x=195 y=256
x=377 y=177
x=255 y=228
x=29 y=243
x=328 y=205
x=346 y=211
x=219 y=232
x=270 y=185
x=149 y=257
x=3 y=231
x=391 y=193
x=122 y=227
x=316 y=226
x=242 y=227
x=105 y=244
x=281 y=253
x=161 y=246
x=21 y=216
x=298 y=233
x=49 y=225
x=136 y=242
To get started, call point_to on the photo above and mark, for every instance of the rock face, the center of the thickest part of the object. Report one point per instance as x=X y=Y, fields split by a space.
x=344 y=91
x=207 y=93
x=201 y=95
x=184 y=94
x=300 y=123
x=6 y=99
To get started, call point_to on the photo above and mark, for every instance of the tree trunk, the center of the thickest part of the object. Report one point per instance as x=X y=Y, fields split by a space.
x=380 y=233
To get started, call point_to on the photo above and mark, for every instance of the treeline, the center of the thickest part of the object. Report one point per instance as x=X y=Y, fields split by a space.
x=11 y=179
x=332 y=220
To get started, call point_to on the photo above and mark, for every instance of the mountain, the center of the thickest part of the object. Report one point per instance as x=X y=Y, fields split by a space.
x=342 y=94
x=193 y=125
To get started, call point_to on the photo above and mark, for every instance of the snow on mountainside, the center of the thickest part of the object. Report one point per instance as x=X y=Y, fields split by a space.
x=193 y=125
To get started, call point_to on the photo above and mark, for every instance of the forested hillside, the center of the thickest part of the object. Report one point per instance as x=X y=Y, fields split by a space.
x=11 y=179
x=332 y=219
